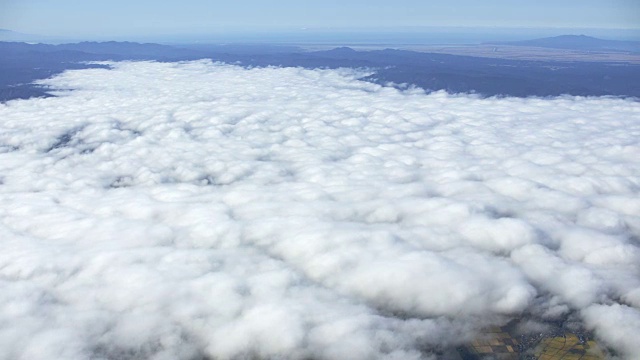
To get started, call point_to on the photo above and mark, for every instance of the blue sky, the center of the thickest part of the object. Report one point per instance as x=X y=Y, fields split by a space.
x=148 y=17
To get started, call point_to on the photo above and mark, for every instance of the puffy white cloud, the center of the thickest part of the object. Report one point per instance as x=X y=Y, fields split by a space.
x=198 y=210
x=617 y=324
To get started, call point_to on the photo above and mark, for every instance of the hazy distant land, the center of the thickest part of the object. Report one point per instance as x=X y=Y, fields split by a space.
x=486 y=69
x=559 y=48
x=512 y=52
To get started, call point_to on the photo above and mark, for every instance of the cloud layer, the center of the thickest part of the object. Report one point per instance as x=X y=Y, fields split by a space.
x=198 y=210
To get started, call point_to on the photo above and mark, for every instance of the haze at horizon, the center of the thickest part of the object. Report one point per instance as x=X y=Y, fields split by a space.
x=117 y=19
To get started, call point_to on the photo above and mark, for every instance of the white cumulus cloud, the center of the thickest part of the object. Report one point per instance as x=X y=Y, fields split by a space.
x=199 y=210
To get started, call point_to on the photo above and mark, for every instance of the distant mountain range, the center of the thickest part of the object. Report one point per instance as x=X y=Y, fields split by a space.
x=577 y=42
x=110 y=50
